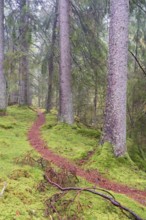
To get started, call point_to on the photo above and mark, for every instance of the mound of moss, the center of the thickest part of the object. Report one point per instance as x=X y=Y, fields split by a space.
x=73 y=142
x=121 y=169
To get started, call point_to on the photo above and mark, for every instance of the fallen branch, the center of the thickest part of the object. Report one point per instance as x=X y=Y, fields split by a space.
x=139 y=64
x=138 y=5
x=3 y=189
x=109 y=198
x=31 y=108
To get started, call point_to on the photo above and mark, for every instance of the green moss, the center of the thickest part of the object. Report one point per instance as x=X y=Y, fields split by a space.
x=136 y=154
x=2 y=112
x=121 y=169
x=91 y=133
x=89 y=206
x=22 y=199
x=73 y=141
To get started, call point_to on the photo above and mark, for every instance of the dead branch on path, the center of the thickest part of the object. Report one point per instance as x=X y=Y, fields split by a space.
x=107 y=197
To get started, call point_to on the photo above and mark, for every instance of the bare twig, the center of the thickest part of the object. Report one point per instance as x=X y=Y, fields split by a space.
x=109 y=198
x=139 y=64
x=3 y=189
x=138 y=5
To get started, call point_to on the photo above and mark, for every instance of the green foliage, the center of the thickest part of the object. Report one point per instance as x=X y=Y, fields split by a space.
x=137 y=121
x=137 y=154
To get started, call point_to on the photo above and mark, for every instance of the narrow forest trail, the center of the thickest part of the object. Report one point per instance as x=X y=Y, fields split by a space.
x=36 y=141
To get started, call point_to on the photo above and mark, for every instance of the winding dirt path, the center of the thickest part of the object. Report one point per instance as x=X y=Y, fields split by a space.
x=36 y=141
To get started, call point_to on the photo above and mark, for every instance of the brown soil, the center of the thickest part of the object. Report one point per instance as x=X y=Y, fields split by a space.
x=36 y=141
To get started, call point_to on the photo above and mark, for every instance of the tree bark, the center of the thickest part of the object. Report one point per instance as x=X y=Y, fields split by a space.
x=3 y=99
x=24 y=93
x=95 y=99
x=66 y=106
x=137 y=38
x=115 y=113
x=51 y=62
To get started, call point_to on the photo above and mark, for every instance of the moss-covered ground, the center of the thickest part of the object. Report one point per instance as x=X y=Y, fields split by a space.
x=74 y=142
x=21 y=200
x=26 y=196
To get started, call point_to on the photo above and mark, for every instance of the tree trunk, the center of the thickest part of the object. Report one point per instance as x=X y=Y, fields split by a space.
x=115 y=114
x=95 y=100
x=24 y=93
x=51 y=62
x=66 y=106
x=137 y=38
x=3 y=99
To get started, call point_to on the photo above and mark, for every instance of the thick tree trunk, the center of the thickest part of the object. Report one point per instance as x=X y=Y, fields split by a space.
x=115 y=114
x=24 y=93
x=66 y=106
x=3 y=99
x=51 y=62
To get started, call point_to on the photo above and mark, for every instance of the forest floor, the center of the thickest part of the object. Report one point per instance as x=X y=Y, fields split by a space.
x=37 y=142
x=32 y=148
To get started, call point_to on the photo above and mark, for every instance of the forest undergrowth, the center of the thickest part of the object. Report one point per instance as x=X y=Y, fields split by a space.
x=28 y=195
x=82 y=145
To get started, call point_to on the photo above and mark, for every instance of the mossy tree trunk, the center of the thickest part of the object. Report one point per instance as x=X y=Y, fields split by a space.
x=66 y=106
x=115 y=114
x=3 y=99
